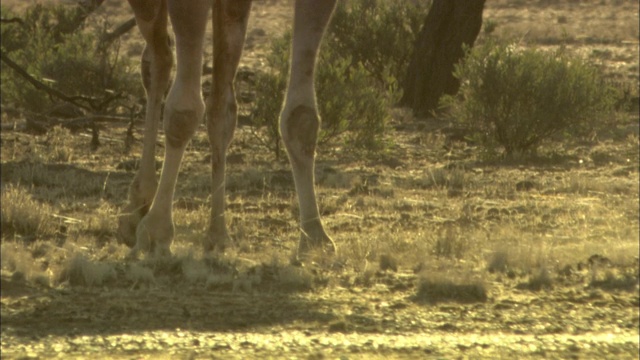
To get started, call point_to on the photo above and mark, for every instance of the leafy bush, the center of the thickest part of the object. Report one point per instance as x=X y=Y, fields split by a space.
x=54 y=46
x=379 y=34
x=365 y=52
x=516 y=98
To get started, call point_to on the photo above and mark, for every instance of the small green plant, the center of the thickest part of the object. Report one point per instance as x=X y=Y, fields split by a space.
x=516 y=98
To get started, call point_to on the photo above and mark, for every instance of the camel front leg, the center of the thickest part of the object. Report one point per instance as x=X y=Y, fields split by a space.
x=230 y=19
x=183 y=112
x=300 y=122
x=157 y=60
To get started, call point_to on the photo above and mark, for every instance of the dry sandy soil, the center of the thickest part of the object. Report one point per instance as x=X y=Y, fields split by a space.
x=442 y=255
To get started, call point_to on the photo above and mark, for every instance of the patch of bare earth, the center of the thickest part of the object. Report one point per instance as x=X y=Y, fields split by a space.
x=441 y=254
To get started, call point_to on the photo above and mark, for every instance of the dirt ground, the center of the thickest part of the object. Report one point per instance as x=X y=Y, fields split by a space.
x=551 y=243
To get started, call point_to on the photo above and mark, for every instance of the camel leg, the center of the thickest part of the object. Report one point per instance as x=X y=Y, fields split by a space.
x=183 y=112
x=157 y=61
x=299 y=121
x=229 y=27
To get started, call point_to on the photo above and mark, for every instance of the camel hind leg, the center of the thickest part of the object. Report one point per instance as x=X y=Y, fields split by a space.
x=183 y=112
x=230 y=19
x=157 y=60
x=300 y=122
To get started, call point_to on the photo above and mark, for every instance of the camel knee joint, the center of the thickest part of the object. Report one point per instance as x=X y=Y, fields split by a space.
x=180 y=125
x=299 y=130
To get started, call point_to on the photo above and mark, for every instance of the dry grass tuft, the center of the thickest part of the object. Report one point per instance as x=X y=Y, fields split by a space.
x=55 y=181
x=139 y=275
x=614 y=279
x=80 y=271
x=18 y=260
x=194 y=270
x=388 y=262
x=23 y=217
x=60 y=147
x=439 y=286
x=294 y=279
x=538 y=280
x=499 y=262
x=100 y=226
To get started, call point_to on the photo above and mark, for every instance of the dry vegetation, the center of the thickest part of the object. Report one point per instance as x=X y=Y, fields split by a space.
x=436 y=246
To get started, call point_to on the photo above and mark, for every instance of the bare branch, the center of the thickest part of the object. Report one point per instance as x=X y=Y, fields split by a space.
x=41 y=86
x=122 y=29
x=12 y=20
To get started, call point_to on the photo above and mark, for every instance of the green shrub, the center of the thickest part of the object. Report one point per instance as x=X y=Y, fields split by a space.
x=54 y=46
x=516 y=98
x=365 y=52
x=379 y=34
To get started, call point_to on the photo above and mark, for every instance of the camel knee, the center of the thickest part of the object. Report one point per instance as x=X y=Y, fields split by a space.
x=299 y=129
x=221 y=121
x=141 y=191
x=180 y=125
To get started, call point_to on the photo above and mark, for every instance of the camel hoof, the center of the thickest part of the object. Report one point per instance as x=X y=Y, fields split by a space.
x=323 y=246
x=127 y=227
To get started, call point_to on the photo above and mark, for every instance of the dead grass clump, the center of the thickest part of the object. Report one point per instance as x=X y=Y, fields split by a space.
x=18 y=260
x=60 y=148
x=100 y=226
x=219 y=281
x=517 y=253
x=294 y=279
x=514 y=260
x=457 y=180
x=78 y=183
x=25 y=217
x=614 y=279
x=250 y=179
x=439 y=286
x=451 y=242
x=60 y=180
x=337 y=180
x=80 y=271
x=164 y=266
x=538 y=280
x=31 y=173
x=438 y=177
x=388 y=262
x=139 y=275
x=499 y=263
x=194 y=270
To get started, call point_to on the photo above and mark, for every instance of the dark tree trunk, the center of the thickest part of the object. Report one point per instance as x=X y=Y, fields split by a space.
x=449 y=25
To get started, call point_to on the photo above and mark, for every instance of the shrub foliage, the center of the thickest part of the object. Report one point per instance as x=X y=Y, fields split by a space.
x=516 y=98
x=364 y=53
x=53 y=44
